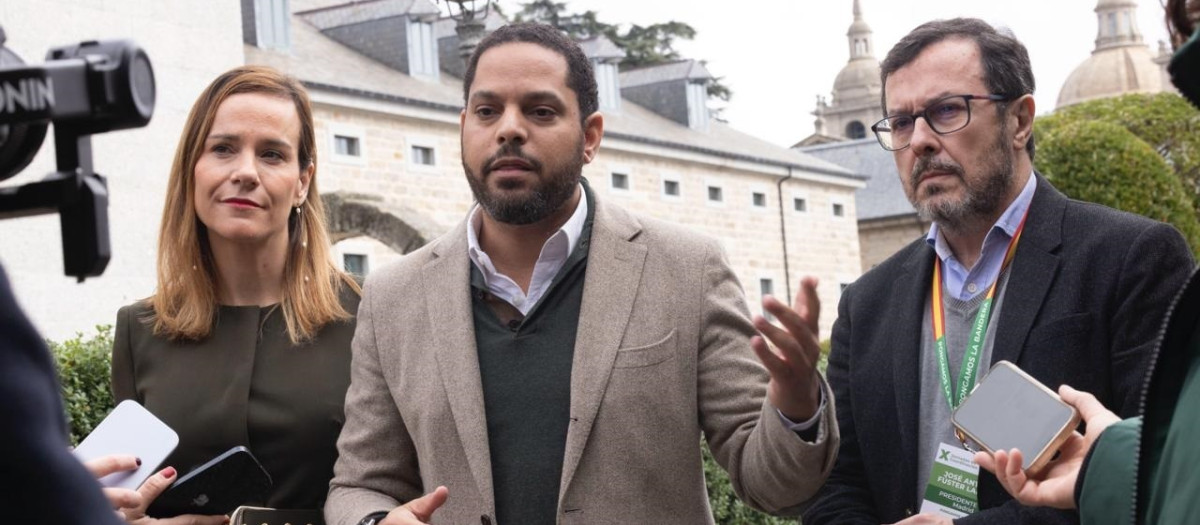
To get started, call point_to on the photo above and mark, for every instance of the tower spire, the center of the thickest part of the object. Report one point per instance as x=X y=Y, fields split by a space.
x=1117 y=24
x=860 y=35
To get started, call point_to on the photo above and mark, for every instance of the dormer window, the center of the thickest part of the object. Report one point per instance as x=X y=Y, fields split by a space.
x=422 y=50
x=606 y=82
x=267 y=26
x=697 y=102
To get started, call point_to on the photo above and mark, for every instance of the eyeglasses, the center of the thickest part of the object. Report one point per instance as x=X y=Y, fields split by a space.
x=944 y=115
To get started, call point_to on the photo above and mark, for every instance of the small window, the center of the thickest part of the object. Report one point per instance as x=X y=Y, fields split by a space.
x=856 y=130
x=347 y=146
x=839 y=210
x=620 y=181
x=423 y=155
x=355 y=263
x=800 y=204
x=671 y=188
x=715 y=194
x=759 y=199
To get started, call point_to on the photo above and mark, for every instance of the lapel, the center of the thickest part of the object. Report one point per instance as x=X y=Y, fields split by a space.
x=614 y=269
x=448 y=304
x=1033 y=270
x=910 y=289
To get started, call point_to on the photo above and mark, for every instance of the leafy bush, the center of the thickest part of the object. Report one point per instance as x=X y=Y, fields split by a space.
x=84 y=368
x=1164 y=121
x=1106 y=163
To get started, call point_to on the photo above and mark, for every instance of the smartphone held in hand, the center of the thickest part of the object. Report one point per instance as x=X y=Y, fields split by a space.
x=129 y=429
x=230 y=480
x=1010 y=409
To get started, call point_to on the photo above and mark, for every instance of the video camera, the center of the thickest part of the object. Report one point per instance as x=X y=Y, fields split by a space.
x=84 y=89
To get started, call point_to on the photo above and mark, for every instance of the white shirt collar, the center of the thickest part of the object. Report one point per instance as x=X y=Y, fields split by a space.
x=553 y=256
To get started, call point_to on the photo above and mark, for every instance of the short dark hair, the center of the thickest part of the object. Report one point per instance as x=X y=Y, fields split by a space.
x=580 y=77
x=1006 y=68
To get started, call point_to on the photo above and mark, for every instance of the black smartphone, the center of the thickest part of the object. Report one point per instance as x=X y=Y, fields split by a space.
x=228 y=481
x=1010 y=409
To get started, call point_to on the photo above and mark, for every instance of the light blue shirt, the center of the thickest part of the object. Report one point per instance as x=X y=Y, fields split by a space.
x=963 y=284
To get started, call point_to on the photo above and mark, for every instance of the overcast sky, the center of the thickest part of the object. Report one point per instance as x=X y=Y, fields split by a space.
x=778 y=55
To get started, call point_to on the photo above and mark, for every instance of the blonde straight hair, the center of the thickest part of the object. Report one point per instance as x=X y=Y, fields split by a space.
x=185 y=301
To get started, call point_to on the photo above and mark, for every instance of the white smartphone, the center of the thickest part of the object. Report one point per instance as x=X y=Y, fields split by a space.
x=1010 y=409
x=129 y=429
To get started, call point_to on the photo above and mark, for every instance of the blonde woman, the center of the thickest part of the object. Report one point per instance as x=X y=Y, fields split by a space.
x=246 y=340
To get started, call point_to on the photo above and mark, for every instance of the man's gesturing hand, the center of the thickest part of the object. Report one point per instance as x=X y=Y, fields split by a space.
x=417 y=511
x=794 y=388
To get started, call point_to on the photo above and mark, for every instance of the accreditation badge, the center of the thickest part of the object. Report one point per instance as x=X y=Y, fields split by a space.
x=953 y=489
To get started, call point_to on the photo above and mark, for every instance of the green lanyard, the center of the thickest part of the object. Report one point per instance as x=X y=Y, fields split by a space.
x=970 y=364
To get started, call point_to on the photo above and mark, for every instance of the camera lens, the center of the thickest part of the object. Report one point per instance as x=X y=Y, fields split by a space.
x=141 y=83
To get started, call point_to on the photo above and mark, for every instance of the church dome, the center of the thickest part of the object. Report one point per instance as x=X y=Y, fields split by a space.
x=1121 y=63
x=858 y=79
x=1111 y=72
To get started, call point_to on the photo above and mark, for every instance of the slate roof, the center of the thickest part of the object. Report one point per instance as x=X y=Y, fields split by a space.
x=600 y=46
x=682 y=69
x=356 y=12
x=321 y=62
x=324 y=64
x=883 y=196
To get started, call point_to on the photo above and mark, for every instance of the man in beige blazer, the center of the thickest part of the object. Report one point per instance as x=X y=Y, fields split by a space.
x=555 y=359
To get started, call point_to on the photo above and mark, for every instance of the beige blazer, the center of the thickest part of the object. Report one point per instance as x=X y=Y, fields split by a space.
x=662 y=355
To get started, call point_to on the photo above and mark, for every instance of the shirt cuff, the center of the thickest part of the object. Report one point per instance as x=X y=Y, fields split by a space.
x=805 y=429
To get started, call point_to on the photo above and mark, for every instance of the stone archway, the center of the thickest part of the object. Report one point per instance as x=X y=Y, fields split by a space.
x=397 y=227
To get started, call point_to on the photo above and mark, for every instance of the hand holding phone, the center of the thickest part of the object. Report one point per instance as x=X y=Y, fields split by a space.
x=129 y=429
x=230 y=480
x=1010 y=409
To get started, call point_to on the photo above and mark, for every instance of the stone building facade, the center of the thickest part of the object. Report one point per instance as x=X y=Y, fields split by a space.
x=670 y=160
x=389 y=155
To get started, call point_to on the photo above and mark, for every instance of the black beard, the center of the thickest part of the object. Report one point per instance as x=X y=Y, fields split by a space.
x=545 y=198
x=981 y=201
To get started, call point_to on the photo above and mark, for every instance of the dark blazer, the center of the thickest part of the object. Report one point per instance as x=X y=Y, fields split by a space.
x=44 y=483
x=1086 y=296
x=246 y=384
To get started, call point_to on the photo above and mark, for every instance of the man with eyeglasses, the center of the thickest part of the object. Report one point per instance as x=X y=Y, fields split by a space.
x=1010 y=270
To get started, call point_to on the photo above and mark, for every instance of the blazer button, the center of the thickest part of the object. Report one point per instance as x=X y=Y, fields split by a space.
x=484 y=519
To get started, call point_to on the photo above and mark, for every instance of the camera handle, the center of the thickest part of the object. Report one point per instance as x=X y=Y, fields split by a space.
x=78 y=195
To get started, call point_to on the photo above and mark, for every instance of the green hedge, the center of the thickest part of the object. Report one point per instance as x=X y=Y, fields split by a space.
x=1103 y=162
x=84 y=366
x=1165 y=122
